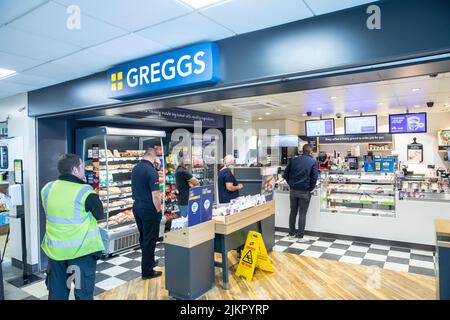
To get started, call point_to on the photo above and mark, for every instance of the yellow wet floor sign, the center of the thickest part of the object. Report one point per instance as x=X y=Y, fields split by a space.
x=253 y=256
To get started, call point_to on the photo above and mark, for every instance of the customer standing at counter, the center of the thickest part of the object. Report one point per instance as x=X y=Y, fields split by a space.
x=147 y=209
x=301 y=174
x=184 y=180
x=72 y=240
x=226 y=182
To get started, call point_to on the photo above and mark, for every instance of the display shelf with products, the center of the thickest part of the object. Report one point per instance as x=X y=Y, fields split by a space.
x=424 y=188
x=358 y=193
x=110 y=155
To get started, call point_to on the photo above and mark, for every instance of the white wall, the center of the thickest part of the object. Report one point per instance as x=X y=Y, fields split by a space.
x=20 y=125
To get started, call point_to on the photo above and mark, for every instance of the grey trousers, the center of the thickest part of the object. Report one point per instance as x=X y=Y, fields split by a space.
x=299 y=205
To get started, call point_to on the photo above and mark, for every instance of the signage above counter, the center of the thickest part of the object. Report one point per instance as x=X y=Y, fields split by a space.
x=358 y=138
x=188 y=67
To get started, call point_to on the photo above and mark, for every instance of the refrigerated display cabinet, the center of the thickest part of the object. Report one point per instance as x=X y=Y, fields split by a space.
x=109 y=155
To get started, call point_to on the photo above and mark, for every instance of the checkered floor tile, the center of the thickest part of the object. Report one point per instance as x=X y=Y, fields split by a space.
x=118 y=270
x=387 y=257
x=110 y=274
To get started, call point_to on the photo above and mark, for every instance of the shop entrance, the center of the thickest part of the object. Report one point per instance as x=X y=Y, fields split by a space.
x=269 y=130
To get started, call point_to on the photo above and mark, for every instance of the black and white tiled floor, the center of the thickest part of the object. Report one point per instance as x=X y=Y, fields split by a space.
x=387 y=257
x=126 y=267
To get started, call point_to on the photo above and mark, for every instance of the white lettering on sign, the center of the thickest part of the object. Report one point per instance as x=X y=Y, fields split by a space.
x=155 y=72
x=199 y=62
x=143 y=75
x=132 y=75
x=165 y=75
x=168 y=70
x=188 y=65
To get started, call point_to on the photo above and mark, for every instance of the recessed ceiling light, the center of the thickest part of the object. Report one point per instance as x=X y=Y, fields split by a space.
x=260 y=118
x=416 y=89
x=319 y=109
x=246 y=121
x=333 y=98
x=355 y=110
x=417 y=106
x=267 y=113
x=198 y=4
x=381 y=104
x=6 y=73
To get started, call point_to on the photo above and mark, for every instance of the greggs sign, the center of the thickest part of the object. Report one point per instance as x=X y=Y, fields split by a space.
x=189 y=67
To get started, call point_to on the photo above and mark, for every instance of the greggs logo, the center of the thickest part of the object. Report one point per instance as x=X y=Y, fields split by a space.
x=188 y=67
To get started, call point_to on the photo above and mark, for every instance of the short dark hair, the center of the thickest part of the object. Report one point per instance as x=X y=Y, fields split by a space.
x=67 y=162
x=307 y=149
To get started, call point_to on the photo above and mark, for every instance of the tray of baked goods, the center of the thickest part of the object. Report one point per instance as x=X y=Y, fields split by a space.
x=116 y=205
x=120 y=219
x=115 y=193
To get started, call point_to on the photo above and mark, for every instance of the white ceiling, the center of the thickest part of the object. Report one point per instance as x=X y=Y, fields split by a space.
x=35 y=41
x=380 y=98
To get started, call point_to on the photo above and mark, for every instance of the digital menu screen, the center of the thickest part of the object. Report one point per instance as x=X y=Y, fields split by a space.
x=361 y=125
x=408 y=123
x=319 y=128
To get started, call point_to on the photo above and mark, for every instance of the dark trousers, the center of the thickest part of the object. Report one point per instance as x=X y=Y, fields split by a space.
x=148 y=225
x=81 y=272
x=299 y=205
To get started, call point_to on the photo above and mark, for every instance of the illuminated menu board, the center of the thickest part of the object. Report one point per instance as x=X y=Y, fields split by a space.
x=319 y=128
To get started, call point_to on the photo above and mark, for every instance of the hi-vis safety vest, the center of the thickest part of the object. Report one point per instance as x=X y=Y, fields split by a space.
x=71 y=231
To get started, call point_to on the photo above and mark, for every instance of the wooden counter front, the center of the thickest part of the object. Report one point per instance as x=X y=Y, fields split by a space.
x=228 y=224
x=442 y=232
x=192 y=236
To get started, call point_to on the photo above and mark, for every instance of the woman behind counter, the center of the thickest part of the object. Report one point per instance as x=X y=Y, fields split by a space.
x=226 y=182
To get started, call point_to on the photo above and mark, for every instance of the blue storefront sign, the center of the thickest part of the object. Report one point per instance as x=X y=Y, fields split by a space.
x=189 y=67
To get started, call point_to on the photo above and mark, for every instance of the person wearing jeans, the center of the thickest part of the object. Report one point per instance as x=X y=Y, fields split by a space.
x=301 y=174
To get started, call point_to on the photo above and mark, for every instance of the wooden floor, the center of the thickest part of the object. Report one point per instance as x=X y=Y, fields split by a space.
x=298 y=277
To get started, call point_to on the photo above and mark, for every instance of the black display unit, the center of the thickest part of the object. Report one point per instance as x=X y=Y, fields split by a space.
x=420 y=120
x=360 y=117
x=325 y=134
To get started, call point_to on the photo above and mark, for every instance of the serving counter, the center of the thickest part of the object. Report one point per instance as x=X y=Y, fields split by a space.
x=413 y=221
x=231 y=232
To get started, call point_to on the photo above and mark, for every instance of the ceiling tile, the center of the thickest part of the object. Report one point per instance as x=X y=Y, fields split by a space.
x=249 y=15
x=68 y=68
x=327 y=6
x=50 y=21
x=5 y=94
x=136 y=47
x=195 y=28
x=24 y=44
x=131 y=15
x=26 y=79
x=10 y=9
x=14 y=87
x=17 y=63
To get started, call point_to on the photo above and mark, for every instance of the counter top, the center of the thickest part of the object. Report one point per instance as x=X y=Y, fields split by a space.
x=442 y=227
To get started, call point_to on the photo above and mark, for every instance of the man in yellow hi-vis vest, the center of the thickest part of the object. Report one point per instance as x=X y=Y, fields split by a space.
x=72 y=239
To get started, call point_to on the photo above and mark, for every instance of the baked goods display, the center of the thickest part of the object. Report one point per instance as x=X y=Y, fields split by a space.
x=121 y=217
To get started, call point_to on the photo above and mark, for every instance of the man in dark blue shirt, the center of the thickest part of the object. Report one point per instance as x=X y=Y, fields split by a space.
x=301 y=174
x=147 y=209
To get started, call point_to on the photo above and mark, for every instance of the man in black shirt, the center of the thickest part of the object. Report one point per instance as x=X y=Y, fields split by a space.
x=184 y=180
x=147 y=209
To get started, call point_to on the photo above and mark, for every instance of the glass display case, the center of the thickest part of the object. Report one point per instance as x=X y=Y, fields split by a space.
x=371 y=194
x=109 y=155
x=424 y=188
